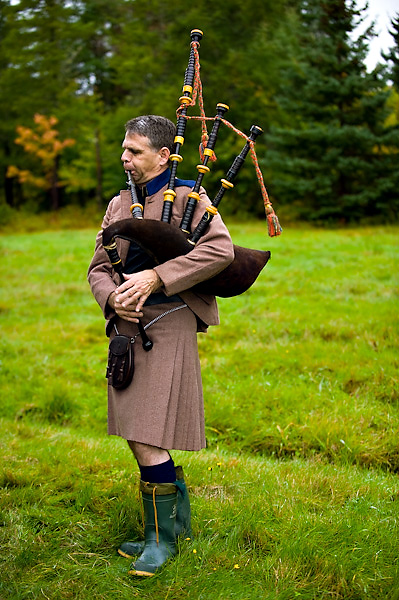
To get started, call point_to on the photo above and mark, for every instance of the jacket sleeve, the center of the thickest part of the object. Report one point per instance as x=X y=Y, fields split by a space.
x=211 y=255
x=101 y=276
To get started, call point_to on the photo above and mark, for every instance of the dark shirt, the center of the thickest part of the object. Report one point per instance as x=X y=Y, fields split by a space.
x=138 y=260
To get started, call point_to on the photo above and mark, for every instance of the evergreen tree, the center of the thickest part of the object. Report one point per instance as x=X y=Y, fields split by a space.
x=95 y=64
x=333 y=157
x=238 y=67
x=37 y=51
x=393 y=54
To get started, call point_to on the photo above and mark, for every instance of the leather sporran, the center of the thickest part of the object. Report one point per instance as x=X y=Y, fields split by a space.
x=120 y=366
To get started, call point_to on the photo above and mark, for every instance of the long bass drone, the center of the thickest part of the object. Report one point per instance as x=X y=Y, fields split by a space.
x=163 y=241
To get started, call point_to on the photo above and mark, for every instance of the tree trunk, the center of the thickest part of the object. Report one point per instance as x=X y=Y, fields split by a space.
x=8 y=181
x=99 y=170
x=54 y=189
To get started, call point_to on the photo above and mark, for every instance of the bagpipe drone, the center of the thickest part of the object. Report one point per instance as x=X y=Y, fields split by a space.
x=163 y=241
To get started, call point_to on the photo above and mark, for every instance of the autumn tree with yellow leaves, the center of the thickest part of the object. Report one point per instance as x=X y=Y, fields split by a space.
x=42 y=142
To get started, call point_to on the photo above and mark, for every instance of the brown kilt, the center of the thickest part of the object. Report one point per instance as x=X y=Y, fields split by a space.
x=163 y=406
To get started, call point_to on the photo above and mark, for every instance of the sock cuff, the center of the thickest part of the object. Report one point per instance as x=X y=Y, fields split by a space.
x=162 y=473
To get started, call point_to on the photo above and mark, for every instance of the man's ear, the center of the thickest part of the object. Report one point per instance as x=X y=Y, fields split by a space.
x=164 y=154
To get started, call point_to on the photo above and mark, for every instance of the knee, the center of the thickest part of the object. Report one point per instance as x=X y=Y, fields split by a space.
x=148 y=455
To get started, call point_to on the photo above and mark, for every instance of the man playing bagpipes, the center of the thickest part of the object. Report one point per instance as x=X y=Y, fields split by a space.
x=160 y=271
x=162 y=407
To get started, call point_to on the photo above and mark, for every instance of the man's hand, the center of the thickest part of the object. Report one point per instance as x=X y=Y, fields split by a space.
x=128 y=314
x=132 y=293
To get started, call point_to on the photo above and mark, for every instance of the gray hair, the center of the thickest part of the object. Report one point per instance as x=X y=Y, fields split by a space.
x=160 y=131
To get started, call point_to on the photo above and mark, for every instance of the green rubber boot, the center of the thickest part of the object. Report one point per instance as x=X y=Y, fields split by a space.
x=159 y=502
x=183 y=519
x=183 y=515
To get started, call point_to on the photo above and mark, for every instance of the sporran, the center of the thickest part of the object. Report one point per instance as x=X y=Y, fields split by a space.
x=120 y=367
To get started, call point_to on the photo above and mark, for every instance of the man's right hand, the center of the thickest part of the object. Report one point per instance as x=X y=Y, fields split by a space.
x=128 y=313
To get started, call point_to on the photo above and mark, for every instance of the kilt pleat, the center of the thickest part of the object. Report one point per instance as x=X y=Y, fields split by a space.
x=163 y=406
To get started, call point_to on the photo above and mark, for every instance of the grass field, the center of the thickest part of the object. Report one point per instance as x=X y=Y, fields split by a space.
x=297 y=494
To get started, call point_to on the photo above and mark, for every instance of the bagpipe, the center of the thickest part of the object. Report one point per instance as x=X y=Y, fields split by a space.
x=163 y=241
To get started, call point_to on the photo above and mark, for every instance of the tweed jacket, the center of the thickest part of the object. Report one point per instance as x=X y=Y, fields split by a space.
x=212 y=254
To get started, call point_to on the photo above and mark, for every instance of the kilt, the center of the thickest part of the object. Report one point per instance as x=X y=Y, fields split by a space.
x=163 y=406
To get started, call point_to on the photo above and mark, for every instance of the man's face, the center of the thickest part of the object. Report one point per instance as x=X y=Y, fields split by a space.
x=141 y=159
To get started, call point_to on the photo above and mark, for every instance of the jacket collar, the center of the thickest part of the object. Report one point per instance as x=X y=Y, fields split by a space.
x=153 y=186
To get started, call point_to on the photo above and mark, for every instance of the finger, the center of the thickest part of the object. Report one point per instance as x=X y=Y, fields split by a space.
x=123 y=295
x=129 y=315
x=128 y=297
x=125 y=285
x=141 y=301
x=125 y=309
x=132 y=319
x=132 y=300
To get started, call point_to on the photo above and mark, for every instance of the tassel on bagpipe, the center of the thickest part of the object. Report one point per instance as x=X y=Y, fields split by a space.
x=227 y=183
x=185 y=100
x=163 y=241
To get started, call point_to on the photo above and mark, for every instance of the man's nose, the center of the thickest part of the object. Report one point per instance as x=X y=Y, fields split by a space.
x=125 y=156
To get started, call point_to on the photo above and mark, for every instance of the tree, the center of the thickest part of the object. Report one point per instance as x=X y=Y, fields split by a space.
x=238 y=67
x=94 y=68
x=332 y=159
x=393 y=55
x=37 y=49
x=44 y=145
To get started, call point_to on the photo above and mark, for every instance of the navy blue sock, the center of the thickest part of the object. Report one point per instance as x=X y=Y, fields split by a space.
x=163 y=473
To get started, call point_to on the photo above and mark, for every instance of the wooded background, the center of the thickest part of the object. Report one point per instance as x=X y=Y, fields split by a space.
x=73 y=72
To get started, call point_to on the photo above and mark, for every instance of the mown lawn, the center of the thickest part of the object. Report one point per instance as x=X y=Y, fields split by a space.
x=297 y=494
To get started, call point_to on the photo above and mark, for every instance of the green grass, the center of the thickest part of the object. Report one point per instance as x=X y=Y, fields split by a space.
x=296 y=495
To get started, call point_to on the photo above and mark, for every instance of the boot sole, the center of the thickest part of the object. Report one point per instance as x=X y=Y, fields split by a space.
x=141 y=573
x=125 y=555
